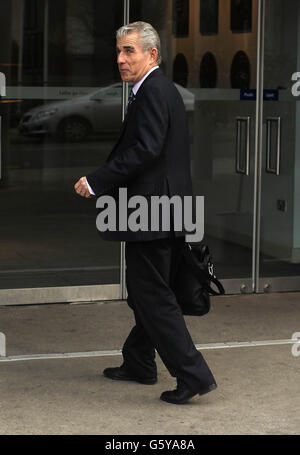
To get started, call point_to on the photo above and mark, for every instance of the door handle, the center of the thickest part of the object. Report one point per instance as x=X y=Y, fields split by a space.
x=243 y=145
x=271 y=121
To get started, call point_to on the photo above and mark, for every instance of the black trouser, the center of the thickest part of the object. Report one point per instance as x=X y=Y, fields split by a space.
x=151 y=267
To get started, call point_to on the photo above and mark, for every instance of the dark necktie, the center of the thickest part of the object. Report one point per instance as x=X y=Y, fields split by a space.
x=130 y=100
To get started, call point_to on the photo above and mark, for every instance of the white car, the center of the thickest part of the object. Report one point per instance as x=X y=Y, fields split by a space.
x=72 y=120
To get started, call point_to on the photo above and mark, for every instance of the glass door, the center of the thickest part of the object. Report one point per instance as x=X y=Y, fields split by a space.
x=209 y=50
x=224 y=135
x=63 y=108
x=59 y=120
x=279 y=265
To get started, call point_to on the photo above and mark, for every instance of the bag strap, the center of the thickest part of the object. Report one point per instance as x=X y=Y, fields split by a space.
x=207 y=276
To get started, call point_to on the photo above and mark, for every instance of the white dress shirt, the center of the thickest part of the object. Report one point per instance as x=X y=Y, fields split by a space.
x=135 y=90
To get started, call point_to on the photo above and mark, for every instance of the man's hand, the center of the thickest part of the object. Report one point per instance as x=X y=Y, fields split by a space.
x=81 y=188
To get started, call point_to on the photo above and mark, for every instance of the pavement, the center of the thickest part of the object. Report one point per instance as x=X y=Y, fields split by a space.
x=51 y=379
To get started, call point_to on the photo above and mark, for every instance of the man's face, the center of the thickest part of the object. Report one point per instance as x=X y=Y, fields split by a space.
x=133 y=63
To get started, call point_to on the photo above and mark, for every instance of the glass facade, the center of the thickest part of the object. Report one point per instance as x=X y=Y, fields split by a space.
x=65 y=111
x=211 y=69
x=234 y=63
x=280 y=214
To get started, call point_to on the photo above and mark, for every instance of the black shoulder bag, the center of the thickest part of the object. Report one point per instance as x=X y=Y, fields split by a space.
x=194 y=280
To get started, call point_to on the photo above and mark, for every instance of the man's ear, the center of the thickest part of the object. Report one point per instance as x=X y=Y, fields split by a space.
x=154 y=54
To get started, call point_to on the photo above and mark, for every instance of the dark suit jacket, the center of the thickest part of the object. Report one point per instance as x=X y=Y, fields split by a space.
x=151 y=155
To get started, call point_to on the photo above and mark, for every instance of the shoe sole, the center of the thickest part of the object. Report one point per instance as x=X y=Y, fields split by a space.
x=140 y=381
x=203 y=392
x=210 y=389
x=176 y=402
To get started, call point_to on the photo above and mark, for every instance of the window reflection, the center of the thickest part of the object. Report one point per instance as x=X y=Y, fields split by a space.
x=241 y=16
x=75 y=119
x=209 y=17
x=181 y=18
x=60 y=65
x=240 y=71
x=180 y=70
x=208 y=71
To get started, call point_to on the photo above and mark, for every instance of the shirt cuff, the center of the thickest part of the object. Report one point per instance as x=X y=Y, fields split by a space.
x=89 y=188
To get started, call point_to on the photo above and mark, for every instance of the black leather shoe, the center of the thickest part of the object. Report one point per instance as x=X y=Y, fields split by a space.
x=183 y=394
x=121 y=374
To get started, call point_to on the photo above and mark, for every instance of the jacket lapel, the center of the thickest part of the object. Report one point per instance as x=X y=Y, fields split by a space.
x=156 y=72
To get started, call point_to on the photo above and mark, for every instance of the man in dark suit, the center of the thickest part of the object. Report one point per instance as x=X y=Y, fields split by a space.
x=151 y=157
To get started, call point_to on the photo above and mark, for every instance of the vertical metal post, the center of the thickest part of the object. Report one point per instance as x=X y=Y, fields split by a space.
x=0 y=147
x=2 y=93
x=46 y=14
x=258 y=145
x=124 y=103
x=21 y=43
x=21 y=7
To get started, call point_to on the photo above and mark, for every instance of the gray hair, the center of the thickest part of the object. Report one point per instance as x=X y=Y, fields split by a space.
x=149 y=37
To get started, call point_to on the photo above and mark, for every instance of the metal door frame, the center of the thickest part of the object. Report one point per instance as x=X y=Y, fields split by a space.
x=258 y=145
x=126 y=20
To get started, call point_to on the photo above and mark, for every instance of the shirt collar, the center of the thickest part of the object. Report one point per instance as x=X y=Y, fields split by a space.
x=139 y=83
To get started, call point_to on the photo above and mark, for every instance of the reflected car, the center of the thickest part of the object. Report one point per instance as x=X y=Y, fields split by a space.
x=73 y=120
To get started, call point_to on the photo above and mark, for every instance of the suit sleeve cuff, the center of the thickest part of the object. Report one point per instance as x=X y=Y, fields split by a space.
x=89 y=188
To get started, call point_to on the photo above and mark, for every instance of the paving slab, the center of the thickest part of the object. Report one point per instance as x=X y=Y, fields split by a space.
x=258 y=393
x=34 y=329
x=258 y=387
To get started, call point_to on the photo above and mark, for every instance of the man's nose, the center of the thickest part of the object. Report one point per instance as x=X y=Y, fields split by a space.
x=120 y=58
